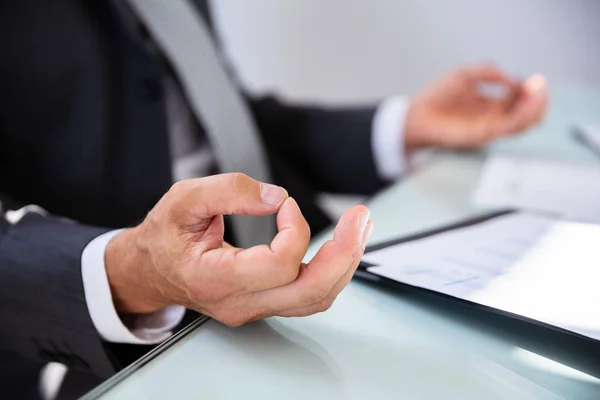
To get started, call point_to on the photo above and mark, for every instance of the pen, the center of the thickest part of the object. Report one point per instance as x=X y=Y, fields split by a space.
x=588 y=136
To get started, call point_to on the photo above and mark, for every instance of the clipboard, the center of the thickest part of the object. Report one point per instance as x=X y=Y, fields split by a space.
x=364 y=274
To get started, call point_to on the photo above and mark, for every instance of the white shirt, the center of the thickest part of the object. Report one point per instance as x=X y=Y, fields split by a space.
x=388 y=149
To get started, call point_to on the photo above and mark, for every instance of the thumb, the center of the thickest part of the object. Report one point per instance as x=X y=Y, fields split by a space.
x=528 y=108
x=225 y=194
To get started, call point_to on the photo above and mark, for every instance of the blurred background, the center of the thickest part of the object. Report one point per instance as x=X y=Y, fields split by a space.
x=352 y=51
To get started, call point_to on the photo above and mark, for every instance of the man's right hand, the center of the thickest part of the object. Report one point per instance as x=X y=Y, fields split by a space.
x=178 y=256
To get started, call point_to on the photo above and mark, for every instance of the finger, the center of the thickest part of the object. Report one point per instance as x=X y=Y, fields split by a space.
x=492 y=88
x=318 y=277
x=543 y=104
x=261 y=267
x=528 y=108
x=536 y=115
x=342 y=283
x=211 y=238
x=491 y=74
x=293 y=238
x=223 y=194
x=337 y=288
x=517 y=119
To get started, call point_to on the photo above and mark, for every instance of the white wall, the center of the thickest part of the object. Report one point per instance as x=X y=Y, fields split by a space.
x=356 y=50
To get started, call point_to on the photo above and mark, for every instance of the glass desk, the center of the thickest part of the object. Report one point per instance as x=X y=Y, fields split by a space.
x=387 y=344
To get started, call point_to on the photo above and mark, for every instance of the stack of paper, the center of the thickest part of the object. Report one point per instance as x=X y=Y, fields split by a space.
x=568 y=189
x=524 y=263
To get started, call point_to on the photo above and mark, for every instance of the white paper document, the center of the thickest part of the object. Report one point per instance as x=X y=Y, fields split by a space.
x=524 y=263
x=528 y=183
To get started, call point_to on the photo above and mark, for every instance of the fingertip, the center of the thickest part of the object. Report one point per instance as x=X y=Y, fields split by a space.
x=367 y=235
x=290 y=217
x=352 y=224
x=294 y=231
x=355 y=211
x=536 y=83
x=289 y=210
x=273 y=195
x=292 y=204
x=360 y=208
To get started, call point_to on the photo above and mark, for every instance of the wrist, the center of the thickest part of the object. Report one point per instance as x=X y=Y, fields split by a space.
x=134 y=289
x=414 y=136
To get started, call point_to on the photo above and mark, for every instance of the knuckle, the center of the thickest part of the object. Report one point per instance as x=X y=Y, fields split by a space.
x=290 y=274
x=238 y=184
x=235 y=319
x=226 y=319
x=200 y=294
x=357 y=253
x=464 y=73
x=325 y=304
x=223 y=316
x=169 y=203
x=238 y=181
x=288 y=270
x=306 y=232
x=317 y=295
x=488 y=66
x=482 y=66
x=178 y=187
x=232 y=322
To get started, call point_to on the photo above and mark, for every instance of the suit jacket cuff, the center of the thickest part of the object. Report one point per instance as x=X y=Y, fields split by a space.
x=112 y=327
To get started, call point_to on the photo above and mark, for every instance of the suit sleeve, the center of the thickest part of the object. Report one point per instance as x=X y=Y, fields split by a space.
x=333 y=147
x=43 y=312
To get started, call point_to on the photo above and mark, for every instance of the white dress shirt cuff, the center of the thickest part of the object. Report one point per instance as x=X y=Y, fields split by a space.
x=388 y=137
x=135 y=329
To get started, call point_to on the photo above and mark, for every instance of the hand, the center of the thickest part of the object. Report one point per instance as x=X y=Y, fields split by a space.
x=453 y=112
x=178 y=256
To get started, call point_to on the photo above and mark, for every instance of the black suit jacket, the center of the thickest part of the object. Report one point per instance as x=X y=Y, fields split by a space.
x=83 y=134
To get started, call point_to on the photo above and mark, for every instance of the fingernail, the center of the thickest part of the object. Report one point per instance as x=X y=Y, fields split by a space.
x=367 y=235
x=536 y=82
x=272 y=194
x=293 y=202
x=362 y=222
